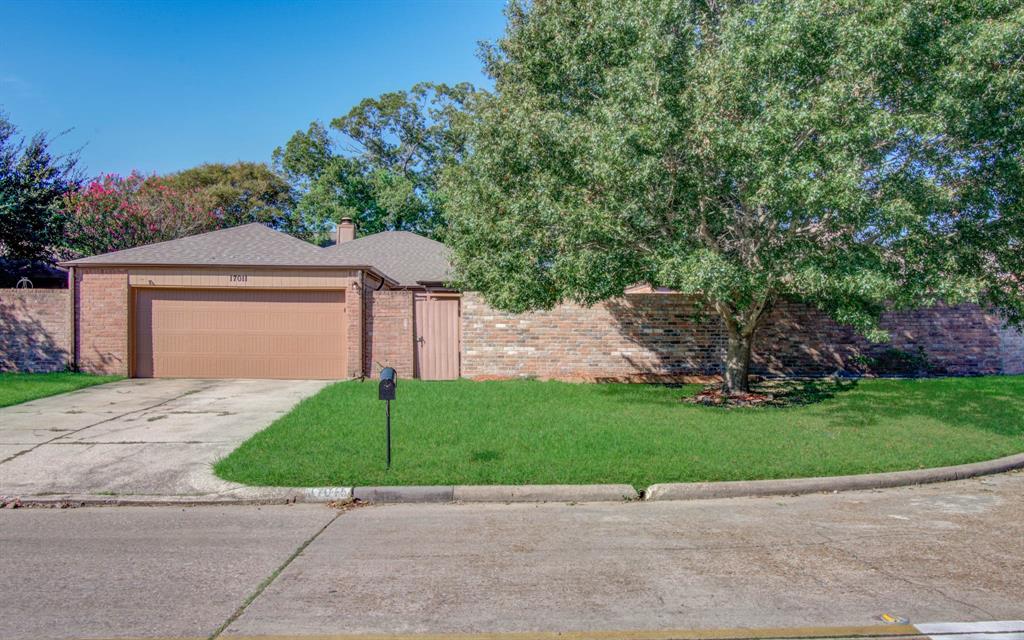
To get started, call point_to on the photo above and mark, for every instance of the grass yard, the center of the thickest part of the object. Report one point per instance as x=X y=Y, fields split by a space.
x=16 y=388
x=530 y=432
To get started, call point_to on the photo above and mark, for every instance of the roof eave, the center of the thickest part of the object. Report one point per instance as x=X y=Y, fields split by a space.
x=435 y=283
x=319 y=267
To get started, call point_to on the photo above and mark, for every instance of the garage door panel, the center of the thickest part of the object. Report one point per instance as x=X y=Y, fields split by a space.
x=209 y=333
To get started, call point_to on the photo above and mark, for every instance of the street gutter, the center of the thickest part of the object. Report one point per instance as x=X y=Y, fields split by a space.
x=570 y=493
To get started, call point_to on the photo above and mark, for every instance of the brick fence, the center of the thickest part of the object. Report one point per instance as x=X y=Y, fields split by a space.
x=657 y=335
x=34 y=330
x=1012 y=350
x=388 y=334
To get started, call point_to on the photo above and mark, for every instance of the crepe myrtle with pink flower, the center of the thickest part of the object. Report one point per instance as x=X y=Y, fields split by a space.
x=115 y=212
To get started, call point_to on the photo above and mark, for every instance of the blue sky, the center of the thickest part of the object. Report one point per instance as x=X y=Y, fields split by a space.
x=162 y=86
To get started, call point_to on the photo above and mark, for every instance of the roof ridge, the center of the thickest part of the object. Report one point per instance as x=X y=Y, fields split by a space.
x=401 y=256
x=386 y=232
x=188 y=237
x=278 y=232
x=240 y=235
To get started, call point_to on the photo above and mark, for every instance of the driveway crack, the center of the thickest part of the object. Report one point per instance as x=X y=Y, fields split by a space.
x=96 y=424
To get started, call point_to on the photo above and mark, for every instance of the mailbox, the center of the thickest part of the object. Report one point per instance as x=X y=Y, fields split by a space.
x=386 y=391
x=388 y=382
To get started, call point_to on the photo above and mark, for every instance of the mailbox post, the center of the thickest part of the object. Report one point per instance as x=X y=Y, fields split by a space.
x=386 y=392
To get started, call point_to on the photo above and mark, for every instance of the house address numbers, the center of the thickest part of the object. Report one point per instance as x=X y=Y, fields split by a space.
x=240 y=279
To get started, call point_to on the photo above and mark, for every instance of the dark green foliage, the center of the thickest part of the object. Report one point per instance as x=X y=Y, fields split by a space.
x=898 y=362
x=240 y=193
x=850 y=154
x=32 y=184
x=383 y=168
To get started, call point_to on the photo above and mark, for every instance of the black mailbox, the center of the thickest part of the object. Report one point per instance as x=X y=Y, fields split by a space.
x=388 y=382
x=386 y=391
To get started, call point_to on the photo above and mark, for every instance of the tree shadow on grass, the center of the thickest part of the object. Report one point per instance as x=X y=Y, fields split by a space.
x=989 y=404
x=798 y=393
x=994 y=405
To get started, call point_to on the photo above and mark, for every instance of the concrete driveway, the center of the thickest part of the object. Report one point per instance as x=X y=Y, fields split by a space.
x=137 y=437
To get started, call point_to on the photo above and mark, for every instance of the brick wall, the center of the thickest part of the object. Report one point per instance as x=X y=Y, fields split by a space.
x=643 y=334
x=1012 y=349
x=388 y=337
x=34 y=330
x=101 y=318
x=960 y=340
x=651 y=335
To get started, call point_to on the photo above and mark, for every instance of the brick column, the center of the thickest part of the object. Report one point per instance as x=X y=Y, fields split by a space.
x=101 y=310
x=354 y=311
x=389 y=331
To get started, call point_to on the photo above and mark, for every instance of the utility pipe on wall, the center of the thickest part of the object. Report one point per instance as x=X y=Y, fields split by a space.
x=72 y=320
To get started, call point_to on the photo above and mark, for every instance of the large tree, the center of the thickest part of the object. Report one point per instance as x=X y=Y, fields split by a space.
x=380 y=163
x=240 y=193
x=851 y=154
x=33 y=182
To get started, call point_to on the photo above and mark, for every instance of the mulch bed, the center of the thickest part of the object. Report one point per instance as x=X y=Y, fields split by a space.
x=773 y=393
x=715 y=397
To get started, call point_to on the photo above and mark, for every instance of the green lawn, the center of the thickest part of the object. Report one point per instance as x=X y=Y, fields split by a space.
x=22 y=387
x=529 y=432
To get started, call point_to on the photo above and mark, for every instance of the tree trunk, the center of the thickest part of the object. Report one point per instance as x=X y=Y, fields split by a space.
x=740 y=327
x=737 y=363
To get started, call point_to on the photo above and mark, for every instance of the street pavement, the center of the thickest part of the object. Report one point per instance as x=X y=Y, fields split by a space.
x=932 y=554
x=138 y=571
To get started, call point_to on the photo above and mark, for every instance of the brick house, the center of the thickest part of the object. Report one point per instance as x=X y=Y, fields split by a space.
x=253 y=302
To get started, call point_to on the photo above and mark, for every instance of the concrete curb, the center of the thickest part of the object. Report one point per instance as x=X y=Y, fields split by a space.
x=326 y=494
x=499 y=493
x=537 y=492
x=245 y=496
x=546 y=493
x=86 y=500
x=743 y=488
x=380 y=495
x=404 y=494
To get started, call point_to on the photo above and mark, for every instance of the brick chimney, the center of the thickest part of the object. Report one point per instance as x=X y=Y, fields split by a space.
x=346 y=230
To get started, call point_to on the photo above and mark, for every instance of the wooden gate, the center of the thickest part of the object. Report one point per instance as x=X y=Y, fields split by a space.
x=437 y=336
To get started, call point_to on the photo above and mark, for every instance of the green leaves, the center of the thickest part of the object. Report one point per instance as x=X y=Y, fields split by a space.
x=240 y=193
x=850 y=154
x=32 y=184
x=381 y=162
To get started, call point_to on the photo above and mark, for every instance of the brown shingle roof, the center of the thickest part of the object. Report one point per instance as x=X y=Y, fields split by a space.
x=404 y=256
x=247 y=245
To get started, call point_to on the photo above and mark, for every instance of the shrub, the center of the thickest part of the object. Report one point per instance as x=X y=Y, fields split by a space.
x=897 y=362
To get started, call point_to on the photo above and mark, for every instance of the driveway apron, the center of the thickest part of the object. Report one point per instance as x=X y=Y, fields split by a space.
x=137 y=437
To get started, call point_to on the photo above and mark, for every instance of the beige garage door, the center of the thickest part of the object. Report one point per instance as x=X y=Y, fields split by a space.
x=207 y=333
